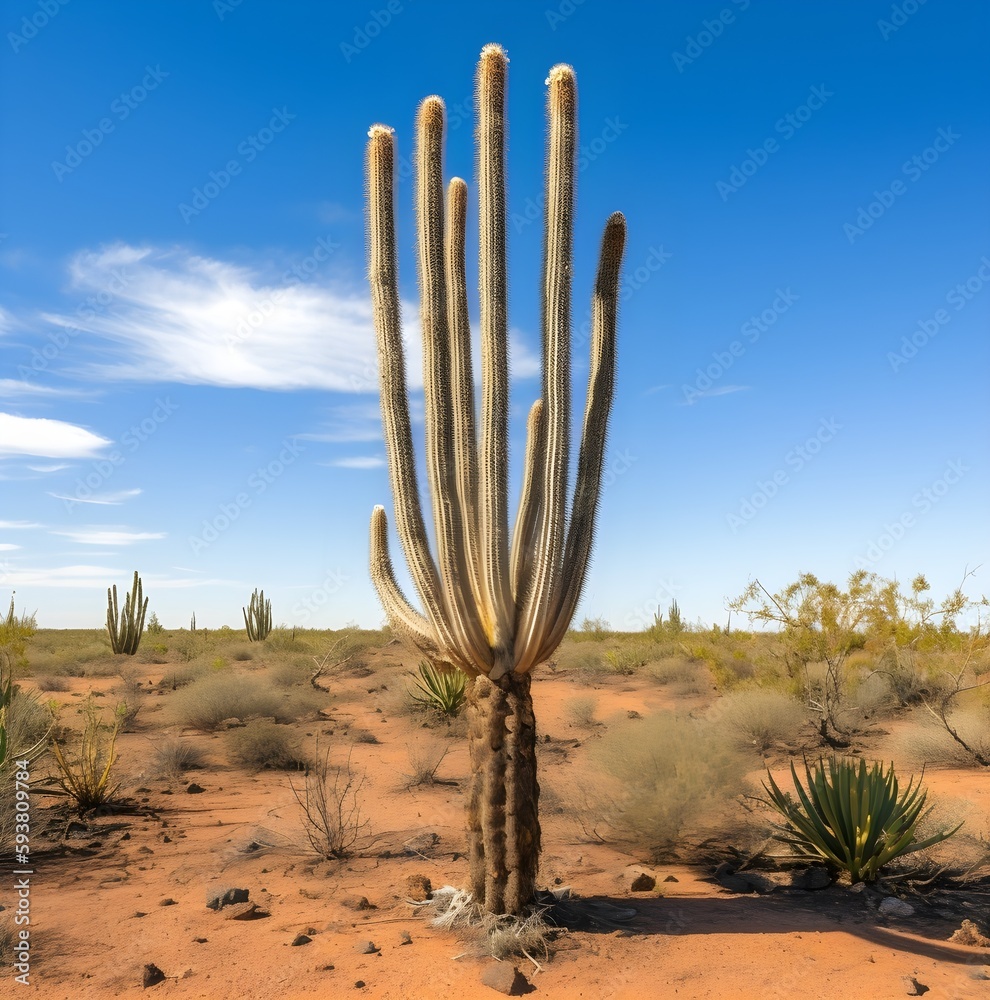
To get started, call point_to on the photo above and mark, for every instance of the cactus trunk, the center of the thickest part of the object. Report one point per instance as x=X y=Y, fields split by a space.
x=503 y=801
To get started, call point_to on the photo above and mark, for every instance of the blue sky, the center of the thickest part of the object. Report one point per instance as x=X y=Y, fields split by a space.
x=187 y=381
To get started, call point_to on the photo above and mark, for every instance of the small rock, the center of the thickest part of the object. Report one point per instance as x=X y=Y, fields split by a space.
x=145 y=850
x=200 y=940
x=644 y=883
x=894 y=907
x=424 y=842
x=227 y=897
x=812 y=878
x=166 y=839
x=167 y=901
x=970 y=934
x=232 y=724
x=242 y=911
x=152 y=975
x=365 y=947
x=357 y=903
x=671 y=878
x=633 y=714
x=126 y=836
x=913 y=987
x=742 y=881
x=505 y=978
x=301 y=939
x=418 y=888
x=195 y=789
x=359 y=984
x=405 y=937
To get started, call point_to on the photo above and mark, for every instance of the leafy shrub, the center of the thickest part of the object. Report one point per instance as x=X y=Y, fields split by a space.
x=264 y=745
x=760 y=719
x=443 y=690
x=675 y=775
x=206 y=702
x=854 y=819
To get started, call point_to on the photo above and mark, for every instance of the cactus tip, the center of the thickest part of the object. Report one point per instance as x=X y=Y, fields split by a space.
x=494 y=51
x=560 y=73
x=378 y=130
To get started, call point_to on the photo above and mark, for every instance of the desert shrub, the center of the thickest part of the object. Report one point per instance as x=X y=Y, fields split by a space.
x=924 y=740
x=285 y=640
x=173 y=755
x=241 y=654
x=759 y=719
x=672 y=670
x=425 y=758
x=206 y=702
x=675 y=775
x=288 y=673
x=580 y=712
x=27 y=721
x=177 y=677
x=439 y=689
x=596 y=629
x=85 y=776
x=265 y=745
x=330 y=802
x=870 y=696
x=853 y=818
x=52 y=683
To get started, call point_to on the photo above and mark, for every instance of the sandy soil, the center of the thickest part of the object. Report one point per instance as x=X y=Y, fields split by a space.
x=130 y=887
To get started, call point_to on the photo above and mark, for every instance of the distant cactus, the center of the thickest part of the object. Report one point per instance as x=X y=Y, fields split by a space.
x=125 y=627
x=258 y=617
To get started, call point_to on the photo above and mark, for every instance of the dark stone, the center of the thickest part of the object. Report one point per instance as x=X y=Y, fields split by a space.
x=671 y=878
x=301 y=939
x=405 y=937
x=357 y=903
x=152 y=975
x=816 y=877
x=644 y=883
x=418 y=888
x=195 y=789
x=168 y=901
x=227 y=897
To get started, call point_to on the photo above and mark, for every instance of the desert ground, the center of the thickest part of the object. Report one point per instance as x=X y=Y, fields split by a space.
x=207 y=803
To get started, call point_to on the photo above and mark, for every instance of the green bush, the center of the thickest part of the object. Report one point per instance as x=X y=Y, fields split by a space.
x=442 y=690
x=853 y=818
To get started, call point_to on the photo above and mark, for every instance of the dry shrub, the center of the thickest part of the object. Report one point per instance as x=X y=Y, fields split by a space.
x=675 y=777
x=672 y=670
x=173 y=755
x=206 y=702
x=265 y=745
x=581 y=712
x=425 y=758
x=760 y=719
x=925 y=741
x=52 y=683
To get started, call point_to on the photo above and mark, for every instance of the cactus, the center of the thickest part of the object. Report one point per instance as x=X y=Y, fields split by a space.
x=494 y=605
x=125 y=627
x=258 y=617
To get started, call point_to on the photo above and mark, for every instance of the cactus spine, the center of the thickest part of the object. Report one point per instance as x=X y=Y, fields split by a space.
x=257 y=617
x=125 y=627
x=494 y=605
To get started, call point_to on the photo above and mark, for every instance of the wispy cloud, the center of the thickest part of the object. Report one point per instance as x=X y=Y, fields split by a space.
x=719 y=390
x=111 y=499
x=8 y=546
x=358 y=462
x=17 y=525
x=47 y=438
x=11 y=387
x=89 y=576
x=108 y=536
x=49 y=468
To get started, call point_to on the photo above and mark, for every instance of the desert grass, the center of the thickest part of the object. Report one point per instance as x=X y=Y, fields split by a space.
x=173 y=755
x=759 y=719
x=209 y=700
x=425 y=758
x=263 y=745
x=580 y=712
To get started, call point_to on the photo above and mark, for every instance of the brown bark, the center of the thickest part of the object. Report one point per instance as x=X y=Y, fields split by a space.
x=503 y=802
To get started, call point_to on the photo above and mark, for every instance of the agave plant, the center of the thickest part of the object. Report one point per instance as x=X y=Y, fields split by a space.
x=443 y=690
x=853 y=818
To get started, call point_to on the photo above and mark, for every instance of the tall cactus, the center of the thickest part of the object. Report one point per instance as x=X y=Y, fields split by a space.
x=125 y=626
x=257 y=617
x=495 y=605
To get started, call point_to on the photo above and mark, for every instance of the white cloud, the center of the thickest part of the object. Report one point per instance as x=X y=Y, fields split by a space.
x=719 y=390
x=47 y=438
x=358 y=462
x=109 y=536
x=90 y=577
x=10 y=387
x=179 y=317
x=19 y=524
x=111 y=499
x=49 y=468
x=8 y=546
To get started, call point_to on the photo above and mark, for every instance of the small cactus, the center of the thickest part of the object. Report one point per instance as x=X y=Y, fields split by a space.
x=125 y=627
x=258 y=617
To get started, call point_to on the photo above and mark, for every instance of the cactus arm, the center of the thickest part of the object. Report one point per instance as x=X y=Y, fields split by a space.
x=383 y=279
x=465 y=429
x=112 y=618
x=401 y=614
x=493 y=287
x=541 y=592
x=459 y=608
x=601 y=387
x=527 y=518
